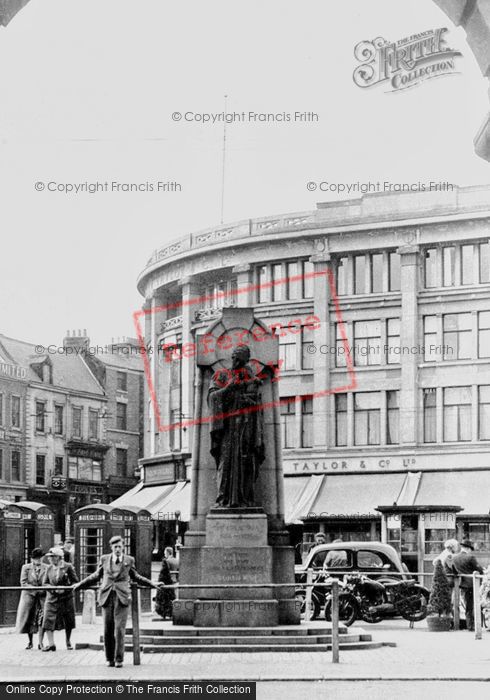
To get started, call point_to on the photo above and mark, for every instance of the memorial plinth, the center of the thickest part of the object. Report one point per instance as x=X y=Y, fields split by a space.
x=237 y=534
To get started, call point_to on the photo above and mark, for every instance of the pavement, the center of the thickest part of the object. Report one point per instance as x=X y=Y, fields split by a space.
x=419 y=655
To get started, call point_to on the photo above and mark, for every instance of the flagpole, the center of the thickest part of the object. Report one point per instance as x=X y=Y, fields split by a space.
x=223 y=161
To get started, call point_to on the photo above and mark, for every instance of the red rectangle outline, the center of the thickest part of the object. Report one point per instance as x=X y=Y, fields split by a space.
x=251 y=288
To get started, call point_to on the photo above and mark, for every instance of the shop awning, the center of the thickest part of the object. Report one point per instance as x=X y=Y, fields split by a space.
x=348 y=495
x=177 y=501
x=299 y=495
x=468 y=489
x=148 y=497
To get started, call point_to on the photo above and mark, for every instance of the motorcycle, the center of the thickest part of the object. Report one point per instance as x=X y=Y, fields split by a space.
x=371 y=601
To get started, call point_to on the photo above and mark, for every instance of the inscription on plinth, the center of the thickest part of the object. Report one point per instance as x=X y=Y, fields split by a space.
x=236 y=530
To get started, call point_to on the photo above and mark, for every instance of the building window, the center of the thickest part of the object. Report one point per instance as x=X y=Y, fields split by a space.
x=121 y=416
x=431 y=267
x=175 y=365
x=359 y=274
x=293 y=285
x=40 y=414
x=288 y=423
x=394 y=272
x=58 y=420
x=279 y=283
x=340 y=349
x=77 y=422
x=467 y=276
x=176 y=431
x=367 y=341
x=308 y=282
x=392 y=417
x=84 y=469
x=307 y=348
x=340 y=420
x=376 y=264
x=393 y=341
x=449 y=266
x=342 y=283
x=15 y=411
x=122 y=381
x=457 y=414
x=484 y=334
x=484 y=413
x=484 y=262
x=58 y=466
x=430 y=338
x=121 y=462
x=366 y=418
x=93 y=424
x=457 y=336
x=1 y=409
x=287 y=351
x=264 y=292
x=15 y=465
x=429 y=415
x=307 y=422
x=40 y=470
x=1 y=465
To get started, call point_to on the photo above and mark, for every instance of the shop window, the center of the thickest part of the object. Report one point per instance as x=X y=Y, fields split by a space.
x=359 y=274
x=288 y=423
x=367 y=343
x=430 y=338
x=430 y=267
x=435 y=538
x=340 y=420
x=484 y=334
x=287 y=351
x=15 y=465
x=409 y=534
x=40 y=470
x=484 y=262
x=394 y=272
x=369 y=560
x=58 y=466
x=376 y=264
x=393 y=341
x=40 y=416
x=392 y=417
x=429 y=415
x=122 y=381
x=121 y=416
x=467 y=276
x=479 y=534
x=58 y=420
x=15 y=411
x=77 y=422
x=93 y=424
x=307 y=422
x=121 y=462
x=457 y=338
x=449 y=266
x=457 y=414
x=342 y=279
x=366 y=418
x=307 y=348
x=308 y=282
x=484 y=412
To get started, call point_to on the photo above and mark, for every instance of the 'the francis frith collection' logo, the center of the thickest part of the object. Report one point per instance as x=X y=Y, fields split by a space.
x=406 y=62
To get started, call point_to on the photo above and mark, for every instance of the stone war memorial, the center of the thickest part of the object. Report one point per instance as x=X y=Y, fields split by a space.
x=237 y=533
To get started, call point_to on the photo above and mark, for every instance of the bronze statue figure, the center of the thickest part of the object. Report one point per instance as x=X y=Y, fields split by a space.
x=236 y=433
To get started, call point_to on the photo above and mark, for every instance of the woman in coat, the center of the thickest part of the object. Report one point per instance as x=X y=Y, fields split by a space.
x=31 y=603
x=165 y=596
x=59 y=608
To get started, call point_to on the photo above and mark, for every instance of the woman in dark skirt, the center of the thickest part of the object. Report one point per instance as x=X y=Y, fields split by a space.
x=165 y=596
x=59 y=609
x=31 y=603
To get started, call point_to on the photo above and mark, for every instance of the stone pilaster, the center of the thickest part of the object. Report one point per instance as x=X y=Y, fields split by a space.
x=409 y=336
x=190 y=291
x=246 y=296
x=321 y=336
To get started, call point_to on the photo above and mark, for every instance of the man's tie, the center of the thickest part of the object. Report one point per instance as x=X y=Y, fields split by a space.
x=118 y=561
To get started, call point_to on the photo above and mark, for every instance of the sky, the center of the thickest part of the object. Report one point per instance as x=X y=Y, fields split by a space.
x=88 y=89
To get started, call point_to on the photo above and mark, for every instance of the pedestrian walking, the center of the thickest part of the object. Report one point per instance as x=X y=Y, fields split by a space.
x=31 y=604
x=451 y=547
x=165 y=596
x=173 y=563
x=116 y=571
x=464 y=564
x=59 y=608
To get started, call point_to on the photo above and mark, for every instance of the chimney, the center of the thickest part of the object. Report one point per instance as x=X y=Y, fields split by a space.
x=76 y=341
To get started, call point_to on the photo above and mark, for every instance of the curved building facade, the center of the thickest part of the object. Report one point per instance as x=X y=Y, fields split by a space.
x=394 y=288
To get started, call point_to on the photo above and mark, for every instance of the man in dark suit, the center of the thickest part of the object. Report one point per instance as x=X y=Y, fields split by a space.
x=465 y=563
x=116 y=571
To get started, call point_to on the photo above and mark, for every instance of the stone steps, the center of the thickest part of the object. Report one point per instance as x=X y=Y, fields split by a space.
x=243 y=648
x=294 y=630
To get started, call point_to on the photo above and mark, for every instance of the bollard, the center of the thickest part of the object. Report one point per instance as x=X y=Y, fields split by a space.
x=335 y=621
x=477 y=606
x=88 y=609
x=309 y=589
x=456 y=602
x=135 y=621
